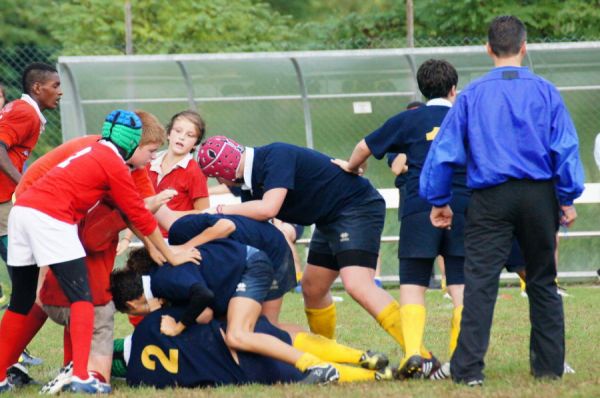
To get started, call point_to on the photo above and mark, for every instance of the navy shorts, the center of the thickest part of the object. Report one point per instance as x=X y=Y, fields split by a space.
x=515 y=262
x=284 y=278
x=353 y=238
x=417 y=271
x=420 y=239
x=257 y=280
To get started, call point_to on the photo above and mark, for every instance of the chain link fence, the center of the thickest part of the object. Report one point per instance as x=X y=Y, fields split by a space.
x=336 y=124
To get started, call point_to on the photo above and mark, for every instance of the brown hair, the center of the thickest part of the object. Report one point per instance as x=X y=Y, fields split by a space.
x=194 y=118
x=152 y=130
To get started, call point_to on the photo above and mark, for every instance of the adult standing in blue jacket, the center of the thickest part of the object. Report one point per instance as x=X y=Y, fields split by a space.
x=514 y=133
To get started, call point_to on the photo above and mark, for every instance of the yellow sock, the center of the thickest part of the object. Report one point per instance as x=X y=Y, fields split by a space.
x=326 y=349
x=350 y=374
x=299 y=276
x=306 y=361
x=454 y=328
x=390 y=320
x=413 y=328
x=322 y=320
x=444 y=287
x=523 y=285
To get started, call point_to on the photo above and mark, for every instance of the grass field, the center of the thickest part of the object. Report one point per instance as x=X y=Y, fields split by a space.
x=507 y=360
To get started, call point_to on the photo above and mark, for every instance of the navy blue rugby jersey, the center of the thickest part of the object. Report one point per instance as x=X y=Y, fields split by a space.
x=412 y=132
x=317 y=189
x=199 y=357
x=261 y=235
x=222 y=265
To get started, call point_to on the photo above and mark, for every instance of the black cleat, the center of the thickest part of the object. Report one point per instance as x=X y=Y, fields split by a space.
x=321 y=375
x=412 y=368
x=18 y=375
x=373 y=360
x=442 y=373
x=430 y=366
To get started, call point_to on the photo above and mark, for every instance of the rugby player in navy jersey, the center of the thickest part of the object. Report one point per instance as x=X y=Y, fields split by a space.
x=197 y=229
x=411 y=132
x=233 y=281
x=302 y=186
x=200 y=357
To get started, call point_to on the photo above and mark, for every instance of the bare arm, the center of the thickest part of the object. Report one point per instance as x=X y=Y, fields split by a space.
x=201 y=203
x=359 y=156
x=399 y=164
x=261 y=210
x=6 y=165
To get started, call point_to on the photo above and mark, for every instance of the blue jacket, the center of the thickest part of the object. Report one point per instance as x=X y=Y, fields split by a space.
x=509 y=124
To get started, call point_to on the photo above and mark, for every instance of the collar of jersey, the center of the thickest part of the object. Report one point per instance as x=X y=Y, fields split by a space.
x=439 y=102
x=30 y=101
x=248 y=163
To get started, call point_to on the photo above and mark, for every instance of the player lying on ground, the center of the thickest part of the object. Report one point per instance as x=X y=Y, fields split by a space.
x=232 y=280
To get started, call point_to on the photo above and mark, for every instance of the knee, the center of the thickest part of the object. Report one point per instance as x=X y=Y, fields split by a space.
x=359 y=290
x=312 y=288
x=236 y=339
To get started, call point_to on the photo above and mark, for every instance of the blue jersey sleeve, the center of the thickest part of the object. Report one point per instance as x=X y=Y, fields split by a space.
x=387 y=137
x=447 y=150
x=190 y=226
x=564 y=146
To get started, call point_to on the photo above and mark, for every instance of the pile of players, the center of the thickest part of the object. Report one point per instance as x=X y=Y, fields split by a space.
x=210 y=298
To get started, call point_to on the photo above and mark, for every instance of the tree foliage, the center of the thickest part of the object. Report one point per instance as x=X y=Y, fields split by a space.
x=173 y=26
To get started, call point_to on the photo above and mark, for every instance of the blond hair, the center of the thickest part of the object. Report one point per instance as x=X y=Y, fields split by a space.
x=153 y=131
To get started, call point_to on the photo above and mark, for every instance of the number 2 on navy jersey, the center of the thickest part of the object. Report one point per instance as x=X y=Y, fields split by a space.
x=169 y=363
x=66 y=162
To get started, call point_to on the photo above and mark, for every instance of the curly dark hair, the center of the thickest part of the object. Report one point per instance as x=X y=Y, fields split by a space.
x=436 y=78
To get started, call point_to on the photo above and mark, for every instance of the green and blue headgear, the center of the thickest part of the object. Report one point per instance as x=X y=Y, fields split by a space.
x=124 y=129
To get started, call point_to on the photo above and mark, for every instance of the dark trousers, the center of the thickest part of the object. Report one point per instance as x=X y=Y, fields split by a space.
x=529 y=210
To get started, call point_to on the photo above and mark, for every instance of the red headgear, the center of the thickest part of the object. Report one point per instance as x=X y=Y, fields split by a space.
x=220 y=156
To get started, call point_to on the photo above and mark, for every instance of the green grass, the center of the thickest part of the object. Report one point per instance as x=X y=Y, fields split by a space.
x=507 y=360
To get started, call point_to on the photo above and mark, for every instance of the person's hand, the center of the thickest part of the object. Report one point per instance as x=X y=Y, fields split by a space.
x=441 y=217
x=165 y=195
x=156 y=255
x=343 y=164
x=568 y=216
x=170 y=327
x=186 y=255
x=123 y=245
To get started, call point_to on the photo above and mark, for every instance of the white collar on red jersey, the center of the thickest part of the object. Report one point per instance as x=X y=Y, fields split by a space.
x=156 y=163
x=31 y=101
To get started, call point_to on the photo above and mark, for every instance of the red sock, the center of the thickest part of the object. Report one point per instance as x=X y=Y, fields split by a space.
x=98 y=376
x=82 y=328
x=67 y=347
x=11 y=328
x=34 y=322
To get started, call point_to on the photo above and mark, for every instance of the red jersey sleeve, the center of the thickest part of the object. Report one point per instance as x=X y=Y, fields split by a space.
x=124 y=193
x=18 y=121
